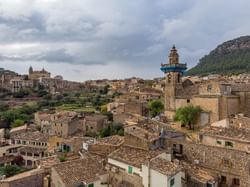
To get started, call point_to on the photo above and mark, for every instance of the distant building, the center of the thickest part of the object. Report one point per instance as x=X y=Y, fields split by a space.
x=94 y=124
x=38 y=74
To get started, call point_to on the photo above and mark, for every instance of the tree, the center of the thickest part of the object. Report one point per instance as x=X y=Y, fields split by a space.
x=17 y=123
x=187 y=115
x=105 y=132
x=10 y=170
x=3 y=106
x=155 y=107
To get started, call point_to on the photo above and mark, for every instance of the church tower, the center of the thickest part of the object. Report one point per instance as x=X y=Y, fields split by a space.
x=30 y=70
x=173 y=71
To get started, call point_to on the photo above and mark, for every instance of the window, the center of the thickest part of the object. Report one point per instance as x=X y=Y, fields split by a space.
x=228 y=144
x=236 y=181
x=223 y=179
x=227 y=163
x=218 y=142
x=209 y=185
x=179 y=78
x=188 y=100
x=130 y=169
x=172 y=182
x=209 y=88
x=169 y=78
x=91 y=185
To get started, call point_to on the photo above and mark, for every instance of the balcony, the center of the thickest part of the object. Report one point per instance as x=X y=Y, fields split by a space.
x=173 y=67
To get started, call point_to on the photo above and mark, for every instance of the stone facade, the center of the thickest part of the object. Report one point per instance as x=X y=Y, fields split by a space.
x=229 y=165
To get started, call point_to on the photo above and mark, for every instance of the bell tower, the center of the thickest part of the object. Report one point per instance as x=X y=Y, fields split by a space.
x=173 y=85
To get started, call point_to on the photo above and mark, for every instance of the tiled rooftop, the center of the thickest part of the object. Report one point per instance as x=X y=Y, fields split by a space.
x=133 y=156
x=112 y=140
x=83 y=170
x=49 y=162
x=31 y=136
x=198 y=173
x=239 y=134
x=34 y=150
x=240 y=87
x=141 y=133
x=164 y=166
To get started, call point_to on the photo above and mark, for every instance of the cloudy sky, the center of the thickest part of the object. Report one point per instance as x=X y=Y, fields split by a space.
x=95 y=39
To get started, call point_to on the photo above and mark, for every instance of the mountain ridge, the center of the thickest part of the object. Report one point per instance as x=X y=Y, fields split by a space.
x=230 y=57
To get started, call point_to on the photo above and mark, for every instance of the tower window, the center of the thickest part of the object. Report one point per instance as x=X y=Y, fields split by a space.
x=236 y=181
x=209 y=88
x=179 y=78
x=169 y=78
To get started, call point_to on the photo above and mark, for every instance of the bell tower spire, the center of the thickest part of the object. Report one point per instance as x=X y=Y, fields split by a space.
x=173 y=71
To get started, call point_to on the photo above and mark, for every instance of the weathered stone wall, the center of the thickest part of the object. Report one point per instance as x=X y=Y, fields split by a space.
x=212 y=141
x=135 y=108
x=210 y=88
x=208 y=104
x=229 y=105
x=121 y=178
x=135 y=142
x=221 y=161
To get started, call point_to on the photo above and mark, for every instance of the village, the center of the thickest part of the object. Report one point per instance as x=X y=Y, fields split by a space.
x=175 y=131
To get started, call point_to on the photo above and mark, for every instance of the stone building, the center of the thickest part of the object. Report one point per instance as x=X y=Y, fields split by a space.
x=125 y=165
x=140 y=138
x=161 y=172
x=129 y=107
x=87 y=172
x=228 y=136
x=94 y=123
x=19 y=82
x=105 y=146
x=31 y=139
x=229 y=166
x=62 y=124
x=32 y=155
x=65 y=124
x=38 y=74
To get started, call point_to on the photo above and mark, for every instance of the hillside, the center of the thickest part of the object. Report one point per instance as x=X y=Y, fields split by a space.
x=231 y=57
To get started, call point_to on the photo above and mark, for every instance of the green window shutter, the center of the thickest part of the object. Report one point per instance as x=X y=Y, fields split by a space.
x=91 y=185
x=172 y=182
x=130 y=169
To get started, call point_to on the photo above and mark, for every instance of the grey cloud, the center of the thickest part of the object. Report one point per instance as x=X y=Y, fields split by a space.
x=136 y=34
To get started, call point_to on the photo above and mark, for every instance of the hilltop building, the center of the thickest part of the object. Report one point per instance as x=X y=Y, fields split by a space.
x=38 y=74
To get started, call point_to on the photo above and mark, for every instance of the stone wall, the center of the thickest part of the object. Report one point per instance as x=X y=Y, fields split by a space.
x=121 y=179
x=208 y=104
x=237 y=145
x=136 y=142
x=220 y=161
x=229 y=105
